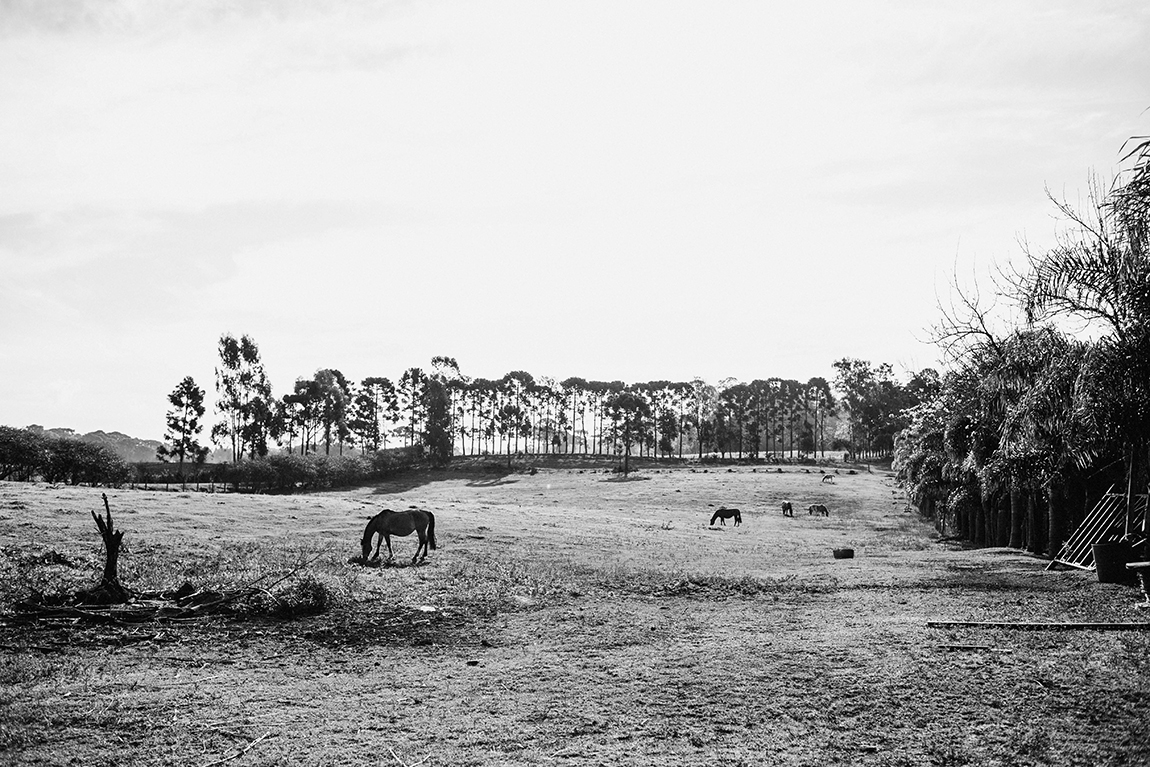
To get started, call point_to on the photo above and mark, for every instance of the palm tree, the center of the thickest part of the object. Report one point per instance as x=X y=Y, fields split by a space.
x=1099 y=273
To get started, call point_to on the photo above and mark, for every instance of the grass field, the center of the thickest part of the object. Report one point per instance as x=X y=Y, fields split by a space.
x=569 y=616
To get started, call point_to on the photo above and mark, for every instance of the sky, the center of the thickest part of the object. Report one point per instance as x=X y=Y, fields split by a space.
x=629 y=190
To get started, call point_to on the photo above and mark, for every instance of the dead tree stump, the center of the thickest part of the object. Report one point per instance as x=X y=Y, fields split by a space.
x=110 y=590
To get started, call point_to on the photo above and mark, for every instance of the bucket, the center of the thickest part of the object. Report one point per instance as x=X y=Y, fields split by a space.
x=850 y=554
x=1110 y=561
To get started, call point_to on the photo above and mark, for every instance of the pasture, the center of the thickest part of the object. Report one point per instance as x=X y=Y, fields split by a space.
x=567 y=617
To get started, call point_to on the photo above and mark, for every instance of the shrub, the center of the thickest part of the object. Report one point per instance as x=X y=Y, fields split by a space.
x=22 y=453
x=74 y=461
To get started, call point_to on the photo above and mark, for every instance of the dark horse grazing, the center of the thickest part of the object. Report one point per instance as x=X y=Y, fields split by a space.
x=788 y=510
x=724 y=514
x=388 y=523
x=818 y=508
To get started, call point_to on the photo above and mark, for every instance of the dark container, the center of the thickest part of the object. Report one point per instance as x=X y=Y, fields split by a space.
x=844 y=553
x=1110 y=561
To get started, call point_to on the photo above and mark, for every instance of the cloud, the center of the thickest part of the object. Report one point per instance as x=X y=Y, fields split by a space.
x=112 y=269
x=145 y=17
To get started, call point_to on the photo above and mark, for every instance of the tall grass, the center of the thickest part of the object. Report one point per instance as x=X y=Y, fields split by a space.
x=285 y=578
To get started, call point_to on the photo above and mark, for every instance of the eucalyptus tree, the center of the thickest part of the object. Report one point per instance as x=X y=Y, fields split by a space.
x=437 y=435
x=410 y=391
x=873 y=400
x=768 y=404
x=667 y=422
x=821 y=402
x=446 y=370
x=734 y=409
x=681 y=395
x=288 y=411
x=791 y=411
x=333 y=400
x=183 y=422
x=576 y=390
x=703 y=400
x=598 y=393
x=243 y=398
x=631 y=421
x=551 y=414
x=480 y=394
x=658 y=394
x=374 y=406
x=302 y=409
x=518 y=387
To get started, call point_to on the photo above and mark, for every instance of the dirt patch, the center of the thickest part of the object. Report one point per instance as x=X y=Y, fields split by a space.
x=567 y=618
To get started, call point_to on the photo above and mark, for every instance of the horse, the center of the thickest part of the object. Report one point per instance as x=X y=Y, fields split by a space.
x=724 y=514
x=788 y=510
x=829 y=478
x=388 y=523
x=818 y=508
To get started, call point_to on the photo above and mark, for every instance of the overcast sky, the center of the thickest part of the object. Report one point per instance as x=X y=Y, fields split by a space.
x=619 y=191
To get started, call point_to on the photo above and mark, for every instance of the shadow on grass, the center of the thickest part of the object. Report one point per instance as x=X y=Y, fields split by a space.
x=491 y=482
x=488 y=476
x=625 y=479
x=405 y=482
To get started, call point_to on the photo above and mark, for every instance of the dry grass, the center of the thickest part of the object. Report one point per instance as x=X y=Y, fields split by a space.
x=566 y=618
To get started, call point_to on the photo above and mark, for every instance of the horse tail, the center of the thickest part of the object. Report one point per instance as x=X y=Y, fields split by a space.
x=431 y=529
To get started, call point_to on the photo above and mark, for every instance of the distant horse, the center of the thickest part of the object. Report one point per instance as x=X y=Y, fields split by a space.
x=724 y=514
x=818 y=508
x=829 y=478
x=788 y=510
x=388 y=523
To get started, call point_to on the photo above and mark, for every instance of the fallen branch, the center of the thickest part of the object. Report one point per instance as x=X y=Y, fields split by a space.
x=985 y=647
x=239 y=752
x=41 y=612
x=413 y=764
x=1038 y=625
x=245 y=591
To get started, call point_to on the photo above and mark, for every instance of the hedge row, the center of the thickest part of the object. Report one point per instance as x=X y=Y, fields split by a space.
x=289 y=472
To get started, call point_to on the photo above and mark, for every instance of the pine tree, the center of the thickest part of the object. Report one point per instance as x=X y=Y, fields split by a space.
x=184 y=426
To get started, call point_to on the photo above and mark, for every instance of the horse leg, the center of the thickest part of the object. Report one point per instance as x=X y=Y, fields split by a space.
x=377 y=545
x=390 y=553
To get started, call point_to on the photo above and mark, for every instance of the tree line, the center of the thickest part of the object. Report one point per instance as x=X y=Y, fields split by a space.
x=435 y=413
x=447 y=413
x=31 y=453
x=1042 y=412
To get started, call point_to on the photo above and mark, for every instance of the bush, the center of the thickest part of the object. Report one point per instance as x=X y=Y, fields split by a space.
x=74 y=461
x=395 y=459
x=22 y=453
x=341 y=471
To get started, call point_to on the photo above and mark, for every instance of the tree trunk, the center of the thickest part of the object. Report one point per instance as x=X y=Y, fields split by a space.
x=1055 y=518
x=1036 y=544
x=1016 y=516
